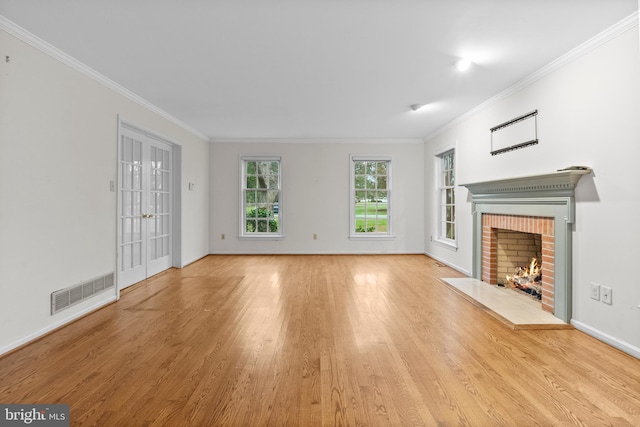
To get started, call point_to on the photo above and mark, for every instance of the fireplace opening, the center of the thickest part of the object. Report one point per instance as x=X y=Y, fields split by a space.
x=523 y=238
x=519 y=261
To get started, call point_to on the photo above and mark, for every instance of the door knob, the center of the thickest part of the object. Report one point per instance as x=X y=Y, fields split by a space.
x=147 y=215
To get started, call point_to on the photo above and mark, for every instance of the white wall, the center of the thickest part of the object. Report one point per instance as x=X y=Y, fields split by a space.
x=588 y=115
x=316 y=196
x=58 y=142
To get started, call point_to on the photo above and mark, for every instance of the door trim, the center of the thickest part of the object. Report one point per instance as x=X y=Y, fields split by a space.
x=176 y=202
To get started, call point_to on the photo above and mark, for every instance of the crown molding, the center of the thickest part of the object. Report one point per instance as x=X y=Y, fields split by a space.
x=31 y=39
x=316 y=140
x=596 y=41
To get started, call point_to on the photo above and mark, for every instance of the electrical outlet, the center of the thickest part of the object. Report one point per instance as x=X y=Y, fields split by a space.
x=222 y=236
x=606 y=295
x=595 y=291
x=315 y=236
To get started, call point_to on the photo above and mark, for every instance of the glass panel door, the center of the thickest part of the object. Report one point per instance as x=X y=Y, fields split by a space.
x=144 y=228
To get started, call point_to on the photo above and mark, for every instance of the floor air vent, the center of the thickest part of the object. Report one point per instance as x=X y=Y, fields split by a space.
x=65 y=298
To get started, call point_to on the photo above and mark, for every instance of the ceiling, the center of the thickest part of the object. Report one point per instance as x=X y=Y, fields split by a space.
x=321 y=69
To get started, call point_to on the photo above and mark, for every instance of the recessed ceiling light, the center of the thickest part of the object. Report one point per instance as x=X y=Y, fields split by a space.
x=463 y=64
x=416 y=107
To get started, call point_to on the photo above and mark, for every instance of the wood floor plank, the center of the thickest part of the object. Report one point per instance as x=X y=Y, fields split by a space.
x=317 y=340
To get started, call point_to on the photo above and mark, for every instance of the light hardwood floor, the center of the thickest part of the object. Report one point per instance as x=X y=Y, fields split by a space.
x=317 y=340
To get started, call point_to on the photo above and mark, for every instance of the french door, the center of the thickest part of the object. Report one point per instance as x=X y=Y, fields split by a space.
x=145 y=202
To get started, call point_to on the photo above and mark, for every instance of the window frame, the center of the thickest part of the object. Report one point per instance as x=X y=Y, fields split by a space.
x=441 y=202
x=243 y=233
x=352 y=199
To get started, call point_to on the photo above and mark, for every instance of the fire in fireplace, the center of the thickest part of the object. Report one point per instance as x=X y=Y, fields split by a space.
x=528 y=279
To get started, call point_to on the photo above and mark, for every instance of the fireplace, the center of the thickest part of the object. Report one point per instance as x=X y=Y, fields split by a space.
x=542 y=205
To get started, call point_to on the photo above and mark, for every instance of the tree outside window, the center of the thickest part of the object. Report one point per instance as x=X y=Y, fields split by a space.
x=447 y=212
x=370 y=196
x=261 y=210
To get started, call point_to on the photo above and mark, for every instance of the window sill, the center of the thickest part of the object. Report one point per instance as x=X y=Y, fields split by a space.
x=372 y=237
x=262 y=237
x=449 y=244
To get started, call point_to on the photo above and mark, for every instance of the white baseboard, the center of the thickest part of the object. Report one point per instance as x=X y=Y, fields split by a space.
x=271 y=252
x=606 y=338
x=193 y=260
x=62 y=322
x=448 y=264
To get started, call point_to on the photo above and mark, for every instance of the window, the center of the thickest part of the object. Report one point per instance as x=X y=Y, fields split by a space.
x=261 y=212
x=446 y=196
x=370 y=196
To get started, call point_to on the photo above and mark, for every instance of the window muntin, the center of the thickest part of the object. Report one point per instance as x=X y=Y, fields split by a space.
x=261 y=197
x=446 y=190
x=371 y=196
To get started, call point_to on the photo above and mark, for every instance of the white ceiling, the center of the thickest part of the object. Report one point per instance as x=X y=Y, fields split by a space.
x=315 y=68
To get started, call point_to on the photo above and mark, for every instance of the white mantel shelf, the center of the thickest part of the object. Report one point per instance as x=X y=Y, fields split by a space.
x=560 y=181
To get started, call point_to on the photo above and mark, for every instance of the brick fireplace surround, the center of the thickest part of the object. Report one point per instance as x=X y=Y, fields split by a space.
x=540 y=204
x=491 y=223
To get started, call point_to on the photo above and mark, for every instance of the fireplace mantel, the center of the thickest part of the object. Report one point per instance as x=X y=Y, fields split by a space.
x=548 y=195
x=560 y=183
